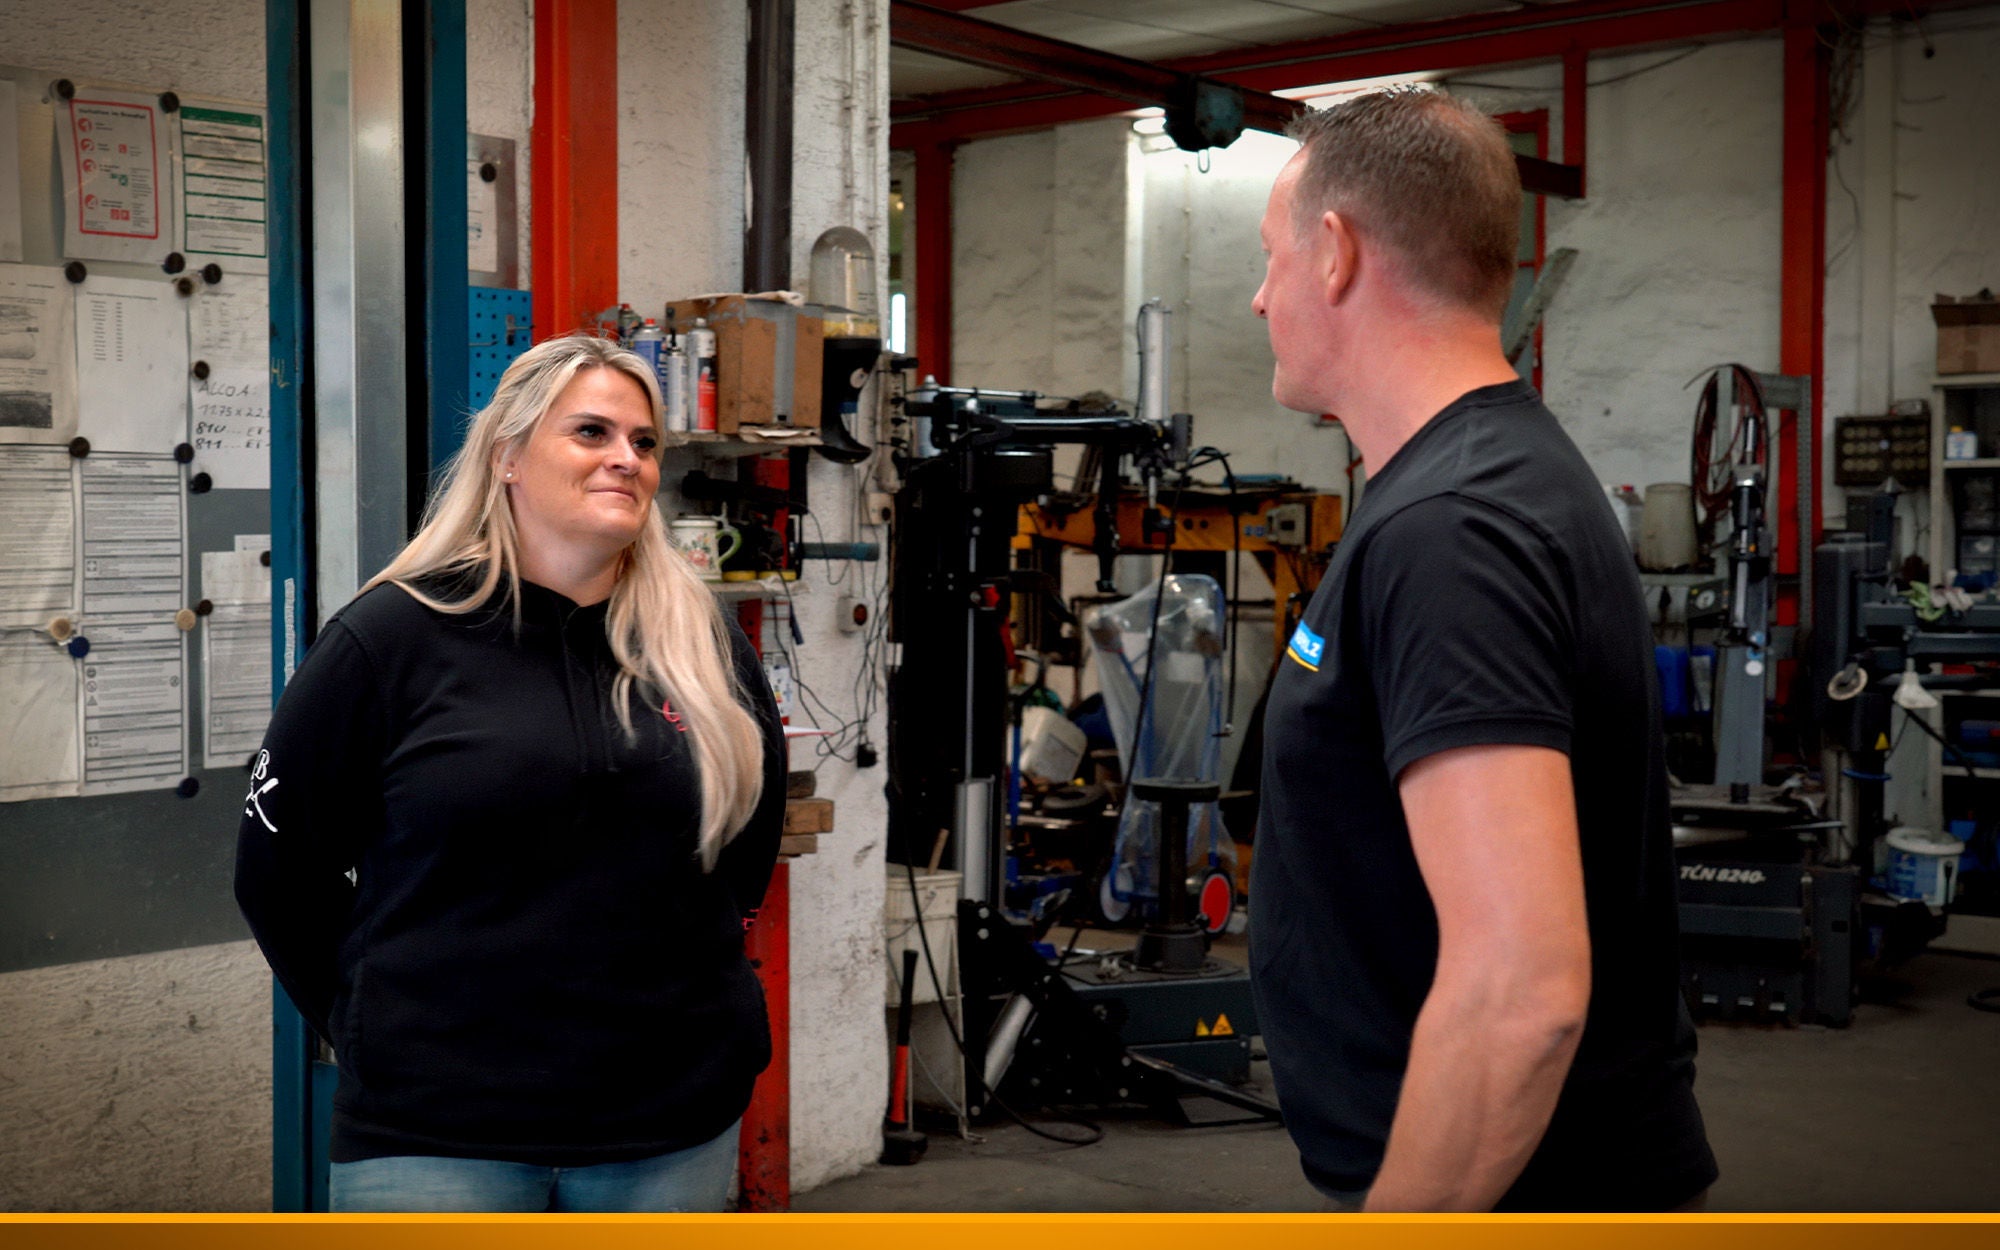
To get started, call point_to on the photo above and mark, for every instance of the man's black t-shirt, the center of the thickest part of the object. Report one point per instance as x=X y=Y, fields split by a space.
x=1482 y=594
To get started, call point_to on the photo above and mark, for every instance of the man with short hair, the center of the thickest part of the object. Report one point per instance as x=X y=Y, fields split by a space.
x=1463 y=936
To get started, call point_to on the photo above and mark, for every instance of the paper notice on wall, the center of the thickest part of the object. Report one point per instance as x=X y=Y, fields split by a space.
x=236 y=653
x=134 y=555
x=134 y=569
x=38 y=570
x=38 y=585
x=229 y=341
x=134 y=705
x=38 y=735
x=10 y=174
x=37 y=356
x=224 y=193
x=131 y=364
x=116 y=153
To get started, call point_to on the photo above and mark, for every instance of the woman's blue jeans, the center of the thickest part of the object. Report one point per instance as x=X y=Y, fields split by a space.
x=695 y=1179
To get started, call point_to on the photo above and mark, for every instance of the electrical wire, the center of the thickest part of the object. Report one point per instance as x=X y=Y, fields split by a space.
x=1949 y=746
x=1682 y=55
x=1093 y=1133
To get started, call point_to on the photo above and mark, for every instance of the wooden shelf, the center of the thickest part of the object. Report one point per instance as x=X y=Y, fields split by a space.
x=762 y=587
x=745 y=442
x=1983 y=462
x=1952 y=381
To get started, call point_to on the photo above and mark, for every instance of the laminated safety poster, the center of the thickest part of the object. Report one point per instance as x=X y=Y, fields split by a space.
x=116 y=150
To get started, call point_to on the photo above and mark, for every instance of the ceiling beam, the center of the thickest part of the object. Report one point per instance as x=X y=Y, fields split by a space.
x=1543 y=33
x=1114 y=83
x=927 y=28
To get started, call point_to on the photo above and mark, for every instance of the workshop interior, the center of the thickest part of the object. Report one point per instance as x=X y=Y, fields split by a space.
x=969 y=426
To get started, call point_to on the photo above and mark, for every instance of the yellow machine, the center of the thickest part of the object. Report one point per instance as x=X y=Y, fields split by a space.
x=1289 y=532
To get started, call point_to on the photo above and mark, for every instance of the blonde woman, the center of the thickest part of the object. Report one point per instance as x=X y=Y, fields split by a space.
x=512 y=817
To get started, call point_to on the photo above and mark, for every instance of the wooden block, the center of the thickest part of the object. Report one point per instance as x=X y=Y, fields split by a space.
x=796 y=844
x=801 y=783
x=752 y=398
x=809 y=816
x=808 y=367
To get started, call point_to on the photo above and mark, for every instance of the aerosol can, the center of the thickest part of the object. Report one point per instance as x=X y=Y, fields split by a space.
x=647 y=343
x=673 y=374
x=702 y=371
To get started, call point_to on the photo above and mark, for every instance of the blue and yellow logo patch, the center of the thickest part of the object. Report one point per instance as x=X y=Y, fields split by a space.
x=1306 y=647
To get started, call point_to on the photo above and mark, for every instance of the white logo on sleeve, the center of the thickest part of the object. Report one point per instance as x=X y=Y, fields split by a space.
x=261 y=784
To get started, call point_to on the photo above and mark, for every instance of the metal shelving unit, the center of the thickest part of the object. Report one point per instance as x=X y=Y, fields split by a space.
x=1960 y=399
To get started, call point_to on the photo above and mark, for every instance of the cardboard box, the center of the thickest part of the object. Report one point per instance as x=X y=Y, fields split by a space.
x=1968 y=333
x=768 y=358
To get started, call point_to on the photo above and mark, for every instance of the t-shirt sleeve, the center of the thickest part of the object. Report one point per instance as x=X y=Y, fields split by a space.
x=315 y=795
x=745 y=864
x=1468 y=630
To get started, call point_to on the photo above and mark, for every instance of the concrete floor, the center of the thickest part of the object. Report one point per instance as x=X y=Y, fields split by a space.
x=1899 y=1112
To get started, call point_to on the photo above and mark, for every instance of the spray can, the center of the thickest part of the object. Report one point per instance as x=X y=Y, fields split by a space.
x=628 y=322
x=647 y=342
x=673 y=374
x=702 y=371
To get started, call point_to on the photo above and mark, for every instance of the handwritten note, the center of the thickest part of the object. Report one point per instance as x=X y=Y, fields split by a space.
x=229 y=418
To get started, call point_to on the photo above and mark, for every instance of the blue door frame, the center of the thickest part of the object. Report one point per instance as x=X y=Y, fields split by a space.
x=434 y=81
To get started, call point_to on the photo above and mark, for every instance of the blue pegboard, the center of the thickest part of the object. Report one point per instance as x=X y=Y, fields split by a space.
x=500 y=332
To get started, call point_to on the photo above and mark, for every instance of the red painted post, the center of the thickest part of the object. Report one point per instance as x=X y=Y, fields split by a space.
x=574 y=141
x=934 y=161
x=1575 y=107
x=1802 y=286
x=764 y=1157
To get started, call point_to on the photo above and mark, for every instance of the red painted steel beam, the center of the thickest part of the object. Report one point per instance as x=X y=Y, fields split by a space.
x=574 y=142
x=933 y=223
x=1482 y=40
x=764 y=1151
x=1576 y=90
x=993 y=46
x=1802 y=289
x=924 y=28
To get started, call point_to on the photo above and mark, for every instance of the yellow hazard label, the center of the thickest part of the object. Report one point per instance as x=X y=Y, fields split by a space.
x=1222 y=1027
x=1200 y=1027
x=1881 y=742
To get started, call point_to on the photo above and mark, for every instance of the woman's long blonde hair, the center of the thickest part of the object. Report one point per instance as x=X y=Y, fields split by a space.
x=663 y=625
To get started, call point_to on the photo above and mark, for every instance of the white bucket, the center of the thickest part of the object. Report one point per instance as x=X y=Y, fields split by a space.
x=1923 y=865
x=935 y=907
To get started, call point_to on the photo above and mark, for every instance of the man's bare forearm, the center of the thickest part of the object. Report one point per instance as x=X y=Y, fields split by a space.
x=1483 y=1078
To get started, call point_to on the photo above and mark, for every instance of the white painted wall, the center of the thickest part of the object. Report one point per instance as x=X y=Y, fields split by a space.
x=499 y=93
x=840 y=1076
x=194 y=47
x=1914 y=191
x=681 y=214
x=144 y=1083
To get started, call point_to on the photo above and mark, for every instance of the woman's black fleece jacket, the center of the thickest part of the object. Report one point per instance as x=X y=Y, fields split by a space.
x=527 y=962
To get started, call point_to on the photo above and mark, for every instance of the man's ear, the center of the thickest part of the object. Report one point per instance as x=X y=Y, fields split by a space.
x=1339 y=252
